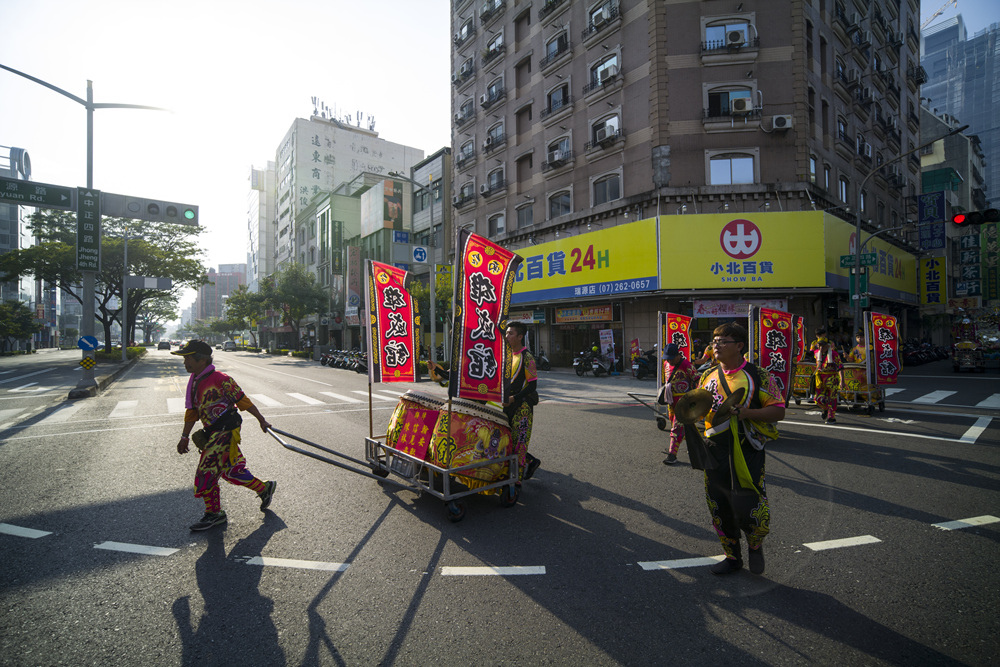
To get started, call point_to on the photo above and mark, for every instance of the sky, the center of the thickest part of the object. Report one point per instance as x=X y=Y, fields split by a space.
x=234 y=75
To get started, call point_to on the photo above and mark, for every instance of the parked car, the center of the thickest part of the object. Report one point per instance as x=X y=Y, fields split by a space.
x=163 y=345
x=229 y=346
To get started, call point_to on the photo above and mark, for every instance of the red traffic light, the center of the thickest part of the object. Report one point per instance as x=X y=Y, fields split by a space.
x=976 y=217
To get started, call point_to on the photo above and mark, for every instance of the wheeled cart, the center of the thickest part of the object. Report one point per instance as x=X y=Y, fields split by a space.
x=802 y=381
x=857 y=393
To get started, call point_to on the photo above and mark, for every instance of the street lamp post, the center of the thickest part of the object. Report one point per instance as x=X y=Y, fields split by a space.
x=433 y=299
x=87 y=381
x=857 y=219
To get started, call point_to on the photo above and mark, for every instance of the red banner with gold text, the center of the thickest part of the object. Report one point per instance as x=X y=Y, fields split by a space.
x=392 y=312
x=674 y=329
x=885 y=348
x=483 y=281
x=777 y=346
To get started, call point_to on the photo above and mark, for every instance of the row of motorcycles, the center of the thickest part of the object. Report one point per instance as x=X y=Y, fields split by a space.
x=352 y=360
x=589 y=361
x=914 y=353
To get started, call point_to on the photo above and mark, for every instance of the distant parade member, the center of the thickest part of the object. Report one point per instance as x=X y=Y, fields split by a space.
x=523 y=396
x=859 y=352
x=820 y=337
x=828 y=367
x=708 y=356
x=214 y=397
x=737 y=499
x=680 y=377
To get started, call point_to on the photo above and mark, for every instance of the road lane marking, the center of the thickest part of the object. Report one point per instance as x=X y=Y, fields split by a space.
x=24 y=387
x=124 y=409
x=10 y=413
x=967 y=523
x=680 y=563
x=933 y=397
x=298 y=564
x=175 y=405
x=991 y=402
x=391 y=396
x=266 y=401
x=346 y=399
x=890 y=392
x=976 y=430
x=18 y=531
x=26 y=375
x=374 y=395
x=63 y=414
x=491 y=571
x=902 y=434
x=844 y=542
x=136 y=548
x=306 y=399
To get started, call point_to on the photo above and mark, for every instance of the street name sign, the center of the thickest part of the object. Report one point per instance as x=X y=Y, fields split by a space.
x=32 y=193
x=88 y=229
x=867 y=259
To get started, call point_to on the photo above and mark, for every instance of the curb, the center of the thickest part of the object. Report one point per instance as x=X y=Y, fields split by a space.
x=103 y=381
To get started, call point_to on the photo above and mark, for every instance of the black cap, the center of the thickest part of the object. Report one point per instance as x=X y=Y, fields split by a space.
x=194 y=347
x=671 y=351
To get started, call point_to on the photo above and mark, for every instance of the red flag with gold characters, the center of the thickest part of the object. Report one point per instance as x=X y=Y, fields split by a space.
x=674 y=329
x=483 y=282
x=800 y=337
x=885 y=348
x=776 y=344
x=392 y=325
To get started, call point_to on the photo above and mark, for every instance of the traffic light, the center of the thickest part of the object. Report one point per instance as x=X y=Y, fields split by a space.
x=976 y=217
x=155 y=210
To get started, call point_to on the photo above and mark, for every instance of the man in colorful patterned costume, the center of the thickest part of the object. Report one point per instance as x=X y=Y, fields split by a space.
x=679 y=377
x=735 y=489
x=214 y=398
x=523 y=397
x=828 y=367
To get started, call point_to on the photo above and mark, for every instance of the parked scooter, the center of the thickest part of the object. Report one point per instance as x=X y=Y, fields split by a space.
x=582 y=363
x=645 y=364
x=601 y=365
x=542 y=362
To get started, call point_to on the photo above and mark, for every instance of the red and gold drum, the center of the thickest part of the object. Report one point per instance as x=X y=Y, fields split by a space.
x=412 y=423
x=477 y=432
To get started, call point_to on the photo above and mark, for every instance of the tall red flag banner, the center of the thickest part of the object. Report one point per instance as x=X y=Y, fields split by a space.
x=674 y=329
x=800 y=338
x=392 y=334
x=885 y=343
x=483 y=282
x=776 y=345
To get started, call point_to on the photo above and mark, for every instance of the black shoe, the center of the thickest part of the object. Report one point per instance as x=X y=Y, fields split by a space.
x=532 y=467
x=831 y=420
x=210 y=519
x=728 y=566
x=670 y=460
x=757 y=560
x=266 y=494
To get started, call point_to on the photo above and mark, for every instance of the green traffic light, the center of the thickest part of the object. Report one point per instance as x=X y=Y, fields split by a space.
x=188 y=214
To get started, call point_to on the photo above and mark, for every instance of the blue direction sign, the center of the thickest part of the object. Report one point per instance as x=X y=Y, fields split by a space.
x=32 y=193
x=88 y=229
x=87 y=343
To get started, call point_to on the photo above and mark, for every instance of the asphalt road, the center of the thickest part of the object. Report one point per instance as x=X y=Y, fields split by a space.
x=608 y=548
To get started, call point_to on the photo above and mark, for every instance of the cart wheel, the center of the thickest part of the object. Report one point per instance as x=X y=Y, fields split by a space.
x=798 y=401
x=881 y=406
x=380 y=472
x=661 y=423
x=870 y=410
x=508 y=498
x=456 y=511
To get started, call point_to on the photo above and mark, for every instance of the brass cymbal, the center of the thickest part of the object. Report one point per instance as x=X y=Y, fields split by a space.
x=693 y=405
x=727 y=405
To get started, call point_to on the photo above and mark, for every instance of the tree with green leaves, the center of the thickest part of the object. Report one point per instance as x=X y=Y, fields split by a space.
x=154 y=313
x=245 y=308
x=162 y=250
x=297 y=293
x=17 y=322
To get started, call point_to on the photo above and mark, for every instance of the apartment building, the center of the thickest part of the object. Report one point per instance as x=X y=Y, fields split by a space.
x=574 y=118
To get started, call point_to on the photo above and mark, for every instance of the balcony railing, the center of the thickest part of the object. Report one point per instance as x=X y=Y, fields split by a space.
x=710 y=115
x=555 y=55
x=493 y=187
x=563 y=157
x=609 y=139
x=556 y=107
x=463 y=199
x=492 y=54
x=491 y=9
x=462 y=39
x=613 y=13
x=722 y=45
x=493 y=142
x=600 y=82
x=549 y=7
x=491 y=98
x=464 y=158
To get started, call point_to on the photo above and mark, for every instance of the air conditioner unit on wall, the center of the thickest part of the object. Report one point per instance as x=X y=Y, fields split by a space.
x=781 y=122
x=740 y=106
x=868 y=150
x=484 y=188
x=736 y=37
x=601 y=17
x=607 y=73
x=483 y=99
x=601 y=134
x=555 y=156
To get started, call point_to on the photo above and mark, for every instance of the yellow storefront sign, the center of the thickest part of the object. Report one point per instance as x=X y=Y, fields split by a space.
x=605 y=262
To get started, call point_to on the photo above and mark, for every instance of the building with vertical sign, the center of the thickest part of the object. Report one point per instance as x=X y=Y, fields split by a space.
x=15 y=163
x=260 y=217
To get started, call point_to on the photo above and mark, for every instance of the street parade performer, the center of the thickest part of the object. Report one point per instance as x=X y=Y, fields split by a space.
x=680 y=377
x=737 y=499
x=828 y=367
x=214 y=397
x=859 y=352
x=519 y=408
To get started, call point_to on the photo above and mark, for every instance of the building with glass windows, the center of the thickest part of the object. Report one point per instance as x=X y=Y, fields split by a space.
x=576 y=117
